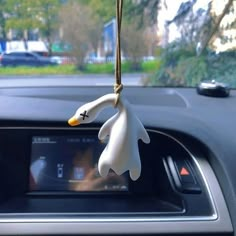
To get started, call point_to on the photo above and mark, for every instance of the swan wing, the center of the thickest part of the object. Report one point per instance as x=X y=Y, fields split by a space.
x=106 y=128
x=142 y=133
x=103 y=165
x=135 y=166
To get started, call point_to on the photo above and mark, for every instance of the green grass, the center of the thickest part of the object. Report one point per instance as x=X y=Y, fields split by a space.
x=106 y=68
x=47 y=70
x=151 y=66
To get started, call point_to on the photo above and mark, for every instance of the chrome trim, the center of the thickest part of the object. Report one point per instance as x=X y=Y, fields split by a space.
x=105 y=220
x=214 y=217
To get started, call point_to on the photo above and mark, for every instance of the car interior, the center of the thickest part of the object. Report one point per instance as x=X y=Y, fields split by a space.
x=49 y=170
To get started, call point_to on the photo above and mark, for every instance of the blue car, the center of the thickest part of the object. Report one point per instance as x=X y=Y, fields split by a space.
x=25 y=59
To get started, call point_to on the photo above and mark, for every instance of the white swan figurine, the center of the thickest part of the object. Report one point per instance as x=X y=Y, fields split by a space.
x=124 y=130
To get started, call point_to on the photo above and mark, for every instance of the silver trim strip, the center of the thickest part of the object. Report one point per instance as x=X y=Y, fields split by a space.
x=214 y=215
x=106 y=220
x=219 y=221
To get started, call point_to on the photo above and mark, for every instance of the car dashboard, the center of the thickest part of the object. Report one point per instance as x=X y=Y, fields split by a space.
x=187 y=183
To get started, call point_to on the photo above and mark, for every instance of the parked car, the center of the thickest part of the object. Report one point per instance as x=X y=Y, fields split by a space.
x=25 y=59
x=64 y=60
x=57 y=59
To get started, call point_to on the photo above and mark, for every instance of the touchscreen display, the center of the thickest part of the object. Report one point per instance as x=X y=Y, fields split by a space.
x=69 y=163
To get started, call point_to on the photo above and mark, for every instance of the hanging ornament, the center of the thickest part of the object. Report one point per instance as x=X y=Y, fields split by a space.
x=124 y=129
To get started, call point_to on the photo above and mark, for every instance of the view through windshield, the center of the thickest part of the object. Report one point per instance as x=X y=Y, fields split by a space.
x=163 y=42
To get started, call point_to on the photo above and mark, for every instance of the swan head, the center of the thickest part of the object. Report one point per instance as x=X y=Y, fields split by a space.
x=85 y=114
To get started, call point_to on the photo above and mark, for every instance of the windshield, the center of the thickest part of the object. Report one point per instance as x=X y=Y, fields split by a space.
x=163 y=42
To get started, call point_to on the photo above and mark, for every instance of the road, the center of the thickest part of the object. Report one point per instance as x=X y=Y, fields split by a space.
x=70 y=80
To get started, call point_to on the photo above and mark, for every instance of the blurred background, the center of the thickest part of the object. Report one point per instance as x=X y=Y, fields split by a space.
x=168 y=43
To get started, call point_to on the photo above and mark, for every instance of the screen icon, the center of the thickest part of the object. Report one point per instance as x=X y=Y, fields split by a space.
x=79 y=173
x=60 y=170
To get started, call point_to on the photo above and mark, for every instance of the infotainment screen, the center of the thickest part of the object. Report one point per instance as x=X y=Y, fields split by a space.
x=69 y=163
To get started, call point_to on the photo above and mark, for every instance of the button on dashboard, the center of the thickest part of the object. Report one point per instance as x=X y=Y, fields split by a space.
x=183 y=175
x=184 y=171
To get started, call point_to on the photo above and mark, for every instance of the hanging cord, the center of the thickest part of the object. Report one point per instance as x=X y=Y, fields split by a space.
x=118 y=85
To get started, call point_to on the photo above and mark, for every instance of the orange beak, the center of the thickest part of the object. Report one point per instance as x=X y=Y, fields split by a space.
x=73 y=121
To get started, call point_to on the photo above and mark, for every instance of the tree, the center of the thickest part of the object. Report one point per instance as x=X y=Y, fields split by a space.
x=214 y=32
x=48 y=16
x=25 y=15
x=199 y=29
x=82 y=29
x=3 y=17
x=133 y=44
x=151 y=39
x=22 y=16
x=144 y=11
x=105 y=9
x=192 y=26
x=216 y=24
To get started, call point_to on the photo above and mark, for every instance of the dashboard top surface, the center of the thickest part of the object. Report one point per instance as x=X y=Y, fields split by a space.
x=176 y=110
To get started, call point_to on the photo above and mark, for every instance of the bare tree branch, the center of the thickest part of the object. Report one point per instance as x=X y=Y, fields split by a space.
x=216 y=26
x=82 y=30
